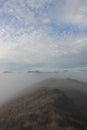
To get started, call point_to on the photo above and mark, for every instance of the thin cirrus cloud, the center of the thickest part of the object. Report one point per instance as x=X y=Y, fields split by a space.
x=38 y=34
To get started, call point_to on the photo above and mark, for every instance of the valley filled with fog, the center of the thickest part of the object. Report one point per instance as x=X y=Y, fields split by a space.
x=13 y=83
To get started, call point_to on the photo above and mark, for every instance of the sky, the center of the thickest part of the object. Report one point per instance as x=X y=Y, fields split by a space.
x=43 y=34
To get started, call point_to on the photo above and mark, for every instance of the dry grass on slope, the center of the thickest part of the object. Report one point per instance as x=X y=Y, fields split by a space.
x=44 y=109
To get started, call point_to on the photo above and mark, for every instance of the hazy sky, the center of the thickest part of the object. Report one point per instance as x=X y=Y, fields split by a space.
x=43 y=34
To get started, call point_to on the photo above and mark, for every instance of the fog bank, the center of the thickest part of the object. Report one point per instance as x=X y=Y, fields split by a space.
x=13 y=83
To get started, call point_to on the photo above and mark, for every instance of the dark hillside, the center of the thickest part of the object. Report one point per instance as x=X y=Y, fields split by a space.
x=44 y=109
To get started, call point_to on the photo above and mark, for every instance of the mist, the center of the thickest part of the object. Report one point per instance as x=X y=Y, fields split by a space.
x=11 y=84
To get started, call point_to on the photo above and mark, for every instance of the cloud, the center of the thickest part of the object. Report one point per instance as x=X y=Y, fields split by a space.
x=48 y=11
x=76 y=54
x=40 y=47
x=35 y=4
x=70 y=12
x=43 y=32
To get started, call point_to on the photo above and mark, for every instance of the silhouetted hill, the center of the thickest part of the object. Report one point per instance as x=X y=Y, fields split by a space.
x=44 y=109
